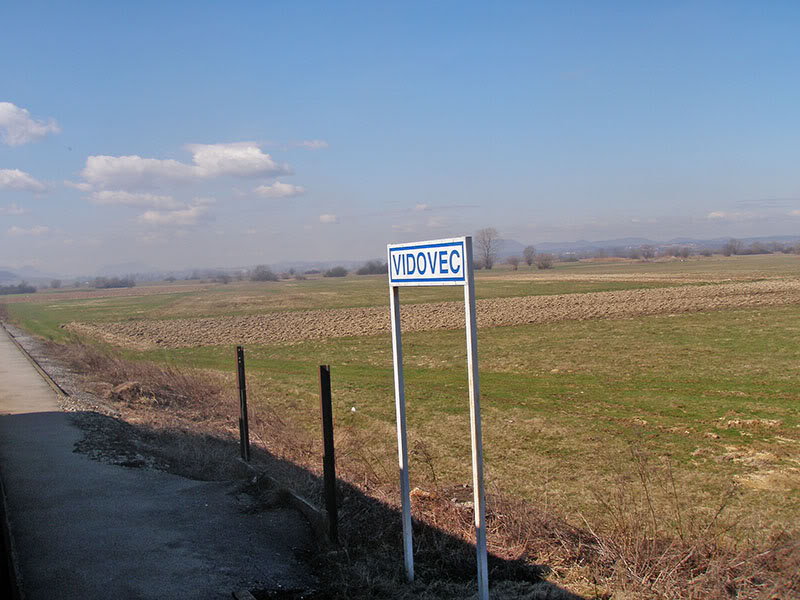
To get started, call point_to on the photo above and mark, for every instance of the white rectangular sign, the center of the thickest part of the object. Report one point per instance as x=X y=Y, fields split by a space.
x=438 y=262
x=435 y=262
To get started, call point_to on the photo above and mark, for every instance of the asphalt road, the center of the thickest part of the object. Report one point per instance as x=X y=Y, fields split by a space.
x=85 y=529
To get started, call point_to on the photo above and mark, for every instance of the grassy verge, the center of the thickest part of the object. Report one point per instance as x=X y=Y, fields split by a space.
x=645 y=539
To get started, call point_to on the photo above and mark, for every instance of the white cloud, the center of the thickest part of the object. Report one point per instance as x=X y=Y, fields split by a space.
x=421 y=207
x=133 y=171
x=795 y=213
x=435 y=223
x=313 y=144
x=12 y=209
x=279 y=190
x=18 y=128
x=328 y=218
x=83 y=187
x=19 y=180
x=720 y=215
x=37 y=230
x=122 y=198
x=244 y=159
x=185 y=216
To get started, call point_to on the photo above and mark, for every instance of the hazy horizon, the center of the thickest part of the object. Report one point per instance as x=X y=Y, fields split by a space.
x=183 y=135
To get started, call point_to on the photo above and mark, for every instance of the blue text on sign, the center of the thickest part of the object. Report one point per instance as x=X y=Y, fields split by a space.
x=433 y=262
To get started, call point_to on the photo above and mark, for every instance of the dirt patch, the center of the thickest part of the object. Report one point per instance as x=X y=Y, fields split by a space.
x=320 y=324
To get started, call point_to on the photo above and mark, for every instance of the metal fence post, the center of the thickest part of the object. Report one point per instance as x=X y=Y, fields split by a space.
x=328 y=458
x=244 y=429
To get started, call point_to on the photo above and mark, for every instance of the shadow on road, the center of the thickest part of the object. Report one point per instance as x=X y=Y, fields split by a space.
x=370 y=560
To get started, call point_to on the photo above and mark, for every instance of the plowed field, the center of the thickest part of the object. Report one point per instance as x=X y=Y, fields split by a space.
x=288 y=327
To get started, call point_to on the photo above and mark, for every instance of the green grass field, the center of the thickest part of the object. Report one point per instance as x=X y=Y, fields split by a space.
x=711 y=398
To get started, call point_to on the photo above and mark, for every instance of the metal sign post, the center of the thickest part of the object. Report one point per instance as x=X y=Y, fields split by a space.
x=438 y=262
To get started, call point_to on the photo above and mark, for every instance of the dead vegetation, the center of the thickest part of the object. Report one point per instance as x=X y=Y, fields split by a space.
x=288 y=327
x=647 y=544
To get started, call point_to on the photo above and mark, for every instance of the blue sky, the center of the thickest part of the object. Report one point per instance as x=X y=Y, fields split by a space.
x=208 y=134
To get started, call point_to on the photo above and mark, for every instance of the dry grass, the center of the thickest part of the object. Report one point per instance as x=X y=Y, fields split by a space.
x=185 y=421
x=177 y=420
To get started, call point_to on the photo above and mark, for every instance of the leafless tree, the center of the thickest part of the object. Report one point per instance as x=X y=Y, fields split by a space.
x=513 y=261
x=544 y=261
x=732 y=246
x=486 y=242
x=529 y=254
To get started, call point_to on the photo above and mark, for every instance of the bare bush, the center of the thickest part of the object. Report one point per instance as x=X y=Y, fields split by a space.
x=262 y=273
x=513 y=261
x=113 y=282
x=373 y=267
x=731 y=247
x=544 y=261
x=529 y=253
x=21 y=288
x=335 y=272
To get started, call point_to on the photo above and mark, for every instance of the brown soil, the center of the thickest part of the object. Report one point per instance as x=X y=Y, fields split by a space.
x=288 y=327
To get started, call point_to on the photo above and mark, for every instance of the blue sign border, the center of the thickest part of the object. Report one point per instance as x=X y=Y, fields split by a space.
x=460 y=279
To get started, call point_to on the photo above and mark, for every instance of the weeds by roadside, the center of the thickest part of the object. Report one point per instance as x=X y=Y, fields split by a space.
x=640 y=550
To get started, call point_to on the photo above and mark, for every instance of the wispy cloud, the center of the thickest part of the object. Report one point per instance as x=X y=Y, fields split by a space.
x=19 y=180
x=328 y=218
x=719 y=215
x=12 y=209
x=279 y=190
x=37 y=230
x=122 y=198
x=767 y=203
x=435 y=223
x=421 y=207
x=17 y=127
x=83 y=187
x=243 y=159
x=312 y=144
x=185 y=216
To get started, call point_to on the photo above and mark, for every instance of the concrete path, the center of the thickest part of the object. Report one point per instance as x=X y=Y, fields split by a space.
x=84 y=529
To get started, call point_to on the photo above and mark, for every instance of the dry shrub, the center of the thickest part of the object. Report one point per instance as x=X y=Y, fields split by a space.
x=655 y=544
x=183 y=420
x=193 y=392
x=648 y=543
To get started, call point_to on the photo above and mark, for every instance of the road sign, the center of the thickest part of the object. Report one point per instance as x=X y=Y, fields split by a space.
x=438 y=262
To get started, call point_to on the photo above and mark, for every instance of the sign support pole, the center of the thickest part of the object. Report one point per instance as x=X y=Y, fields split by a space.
x=438 y=262
x=475 y=426
x=402 y=442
